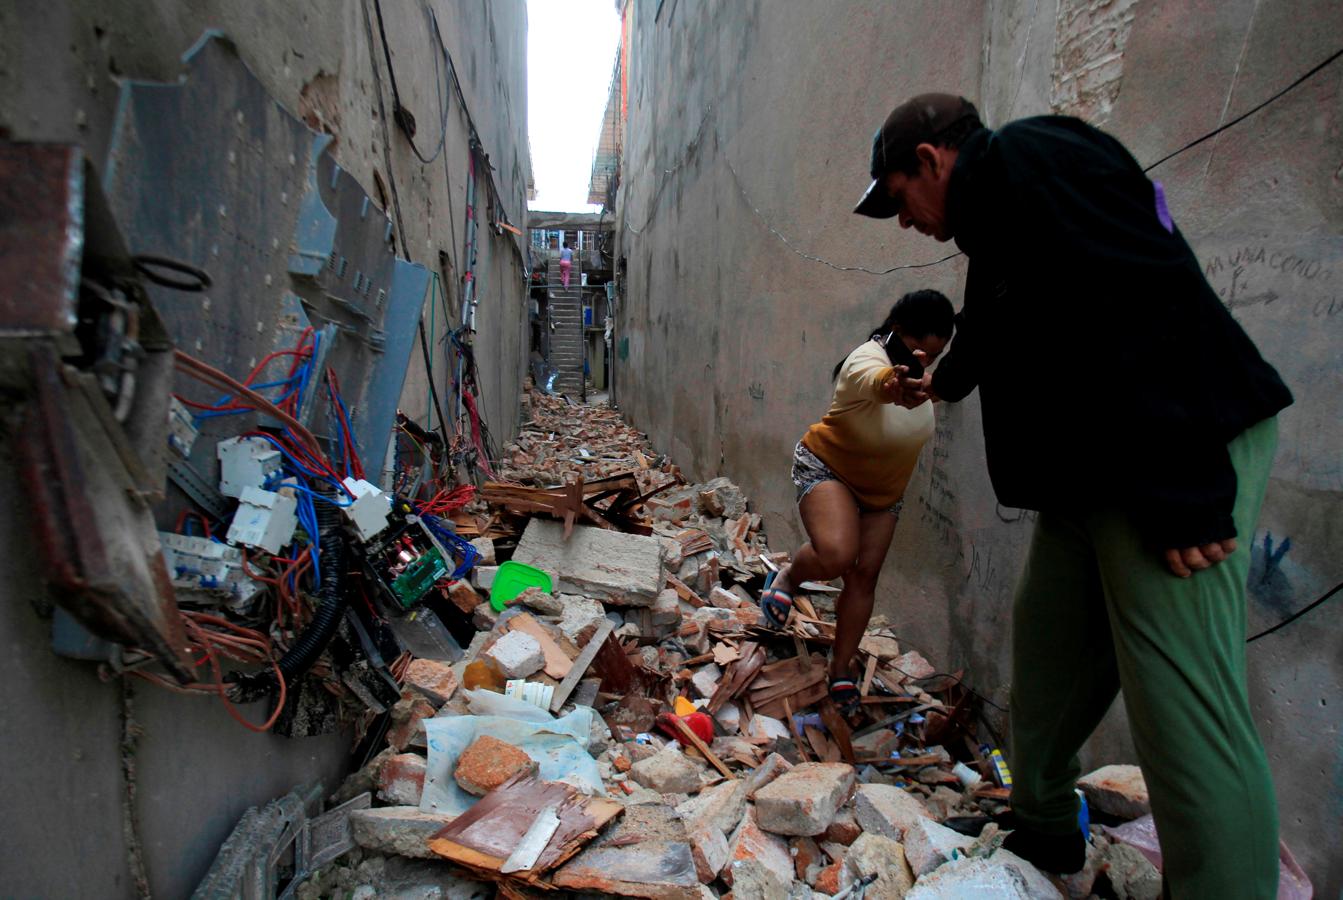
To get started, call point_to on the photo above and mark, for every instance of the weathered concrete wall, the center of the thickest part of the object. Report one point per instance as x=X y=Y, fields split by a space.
x=59 y=65
x=747 y=140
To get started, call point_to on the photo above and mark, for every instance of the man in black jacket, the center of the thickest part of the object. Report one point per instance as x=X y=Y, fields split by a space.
x=1147 y=455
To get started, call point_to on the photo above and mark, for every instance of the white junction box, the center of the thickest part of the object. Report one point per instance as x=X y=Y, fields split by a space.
x=264 y=520
x=182 y=430
x=369 y=509
x=245 y=462
x=200 y=565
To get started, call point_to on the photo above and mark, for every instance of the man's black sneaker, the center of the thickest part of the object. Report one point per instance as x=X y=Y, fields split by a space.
x=1062 y=854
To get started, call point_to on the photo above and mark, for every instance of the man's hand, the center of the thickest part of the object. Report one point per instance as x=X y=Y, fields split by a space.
x=893 y=388
x=1184 y=563
x=908 y=392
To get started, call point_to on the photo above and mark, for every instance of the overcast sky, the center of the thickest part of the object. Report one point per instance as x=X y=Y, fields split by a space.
x=571 y=47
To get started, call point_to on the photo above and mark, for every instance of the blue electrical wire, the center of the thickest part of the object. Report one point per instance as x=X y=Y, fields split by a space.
x=215 y=413
x=309 y=491
x=300 y=467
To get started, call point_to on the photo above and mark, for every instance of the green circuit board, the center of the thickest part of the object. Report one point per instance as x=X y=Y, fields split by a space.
x=419 y=577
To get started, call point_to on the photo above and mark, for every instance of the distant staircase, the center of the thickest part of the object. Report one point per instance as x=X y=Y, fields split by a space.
x=567 y=348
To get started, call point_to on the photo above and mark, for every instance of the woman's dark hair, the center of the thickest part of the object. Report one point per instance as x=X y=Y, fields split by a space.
x=918 y=314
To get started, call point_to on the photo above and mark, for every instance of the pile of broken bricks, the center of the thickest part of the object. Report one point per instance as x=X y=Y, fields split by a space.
x=722 y=767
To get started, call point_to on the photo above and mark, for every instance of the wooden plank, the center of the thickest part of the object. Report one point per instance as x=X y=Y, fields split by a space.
x=738 y=675
x=901 y=762
x=581 y=664
x=838 y=728
x=685 y=592
x=868 y=673
x=723 y=654
x=792 y=731
x=699 y=745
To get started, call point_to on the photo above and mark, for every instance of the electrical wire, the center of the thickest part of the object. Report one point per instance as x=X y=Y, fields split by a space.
x=1332 y=58
x=694 y=144
x=399 y=112
x=209 y=375
x=1298 y=614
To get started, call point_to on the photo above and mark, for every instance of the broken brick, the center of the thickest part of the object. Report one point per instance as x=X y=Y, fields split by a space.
x=517 y=654
x=720 y=805
x=708 y=848
x=759 y=864
x=463 y=596
x=804 y=800
x=406 y=716
x=1117 y=790
x=928 y=845
x=887 y=810
x=488 y=762
x=873 y=853
x=807 y=858
x=843 y=829
x=436 y=680
x=668 y=772
x=400 y=779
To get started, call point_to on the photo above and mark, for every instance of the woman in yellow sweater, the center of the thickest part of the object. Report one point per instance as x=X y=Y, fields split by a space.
x=851 y=470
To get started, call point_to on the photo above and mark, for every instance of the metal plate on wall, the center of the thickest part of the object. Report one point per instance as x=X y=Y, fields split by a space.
x=211 y=170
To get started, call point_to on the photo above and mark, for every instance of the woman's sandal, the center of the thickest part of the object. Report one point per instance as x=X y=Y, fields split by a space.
x=844 y=691
x=776 y=604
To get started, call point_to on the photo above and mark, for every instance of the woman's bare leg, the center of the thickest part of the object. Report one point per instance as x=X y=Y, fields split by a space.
x=830 y=516
x=853 y=607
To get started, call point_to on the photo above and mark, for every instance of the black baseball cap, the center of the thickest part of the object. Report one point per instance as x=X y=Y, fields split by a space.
x=919 y=120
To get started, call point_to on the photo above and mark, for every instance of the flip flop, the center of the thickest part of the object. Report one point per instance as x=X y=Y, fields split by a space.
x=775 y=604
x=846 y=695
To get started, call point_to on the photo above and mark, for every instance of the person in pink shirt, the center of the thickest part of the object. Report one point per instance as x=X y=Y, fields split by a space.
x=566 y=263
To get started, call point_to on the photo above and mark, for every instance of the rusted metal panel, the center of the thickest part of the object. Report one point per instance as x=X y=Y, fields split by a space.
x=41 y=236
x=103 y=562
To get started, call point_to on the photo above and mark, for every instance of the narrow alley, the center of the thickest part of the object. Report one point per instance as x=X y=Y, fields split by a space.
x=671 y=449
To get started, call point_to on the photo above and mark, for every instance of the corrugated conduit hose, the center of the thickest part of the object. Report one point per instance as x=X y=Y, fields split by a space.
x=332 y=601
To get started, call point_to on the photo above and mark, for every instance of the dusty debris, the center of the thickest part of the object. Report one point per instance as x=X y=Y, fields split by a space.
x=484 y=838
x=646 y=854
x=714 y=736
x=396 y=830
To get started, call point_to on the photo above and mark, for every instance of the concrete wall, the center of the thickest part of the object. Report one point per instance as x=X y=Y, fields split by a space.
x=59 y=65
x=746 y=148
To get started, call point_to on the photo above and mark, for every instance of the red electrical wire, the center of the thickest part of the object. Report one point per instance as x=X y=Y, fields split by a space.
x=186 y=514
x=482 y=458
x=215 y=378
x=333 y=388
x=449 y=500
x=298 y=353
x=234 y=642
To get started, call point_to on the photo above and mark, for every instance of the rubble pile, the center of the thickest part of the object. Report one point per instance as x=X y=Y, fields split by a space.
x=633 y=729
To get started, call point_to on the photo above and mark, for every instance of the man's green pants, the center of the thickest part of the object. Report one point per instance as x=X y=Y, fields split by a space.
x=1097 y=610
